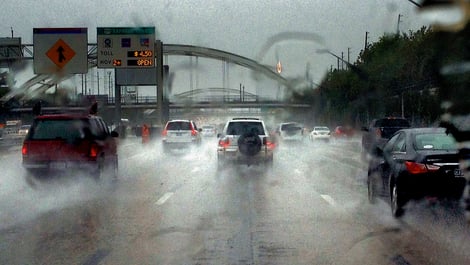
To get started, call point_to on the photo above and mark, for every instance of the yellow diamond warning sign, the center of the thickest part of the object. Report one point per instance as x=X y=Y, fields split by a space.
x=60 y=53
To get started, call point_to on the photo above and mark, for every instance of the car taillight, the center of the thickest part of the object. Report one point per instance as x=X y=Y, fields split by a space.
x=93 y=151
x=193 y=131
x=164 y=132
x=418 y=168
x=24 y=150
x=224 y=142
x=270 y=144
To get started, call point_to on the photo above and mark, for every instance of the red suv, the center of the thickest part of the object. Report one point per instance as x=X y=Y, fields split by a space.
x=62 y=142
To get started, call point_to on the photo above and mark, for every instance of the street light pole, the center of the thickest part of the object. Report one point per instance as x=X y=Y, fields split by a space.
x=398 y=23
x=342 y=60
x=109 y=85
x=352 y=67
x=98 y=81
x=334 y=55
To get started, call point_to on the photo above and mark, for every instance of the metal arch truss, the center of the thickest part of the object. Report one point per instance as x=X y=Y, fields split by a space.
x=42 y=82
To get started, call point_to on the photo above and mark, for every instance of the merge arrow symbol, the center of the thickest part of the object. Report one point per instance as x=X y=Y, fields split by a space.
x=60 y=50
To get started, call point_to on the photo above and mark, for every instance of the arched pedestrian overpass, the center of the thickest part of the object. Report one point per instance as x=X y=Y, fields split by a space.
x=40 y=83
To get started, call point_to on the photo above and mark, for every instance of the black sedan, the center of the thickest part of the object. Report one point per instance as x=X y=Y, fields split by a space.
x=414 y=164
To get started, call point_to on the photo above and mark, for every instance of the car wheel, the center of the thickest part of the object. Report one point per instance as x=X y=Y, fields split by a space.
x=98 y=172
x=372 y=187
x=220 y=163
x=397 y=200
x=269 y=164
x=31 y=178
x=115 y=168
x=164 y=149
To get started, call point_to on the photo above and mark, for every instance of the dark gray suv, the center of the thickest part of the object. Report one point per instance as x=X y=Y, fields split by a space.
x=379 y=131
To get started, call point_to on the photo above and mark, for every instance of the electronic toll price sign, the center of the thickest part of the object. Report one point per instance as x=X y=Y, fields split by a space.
x=143 y=58
x=126 y=47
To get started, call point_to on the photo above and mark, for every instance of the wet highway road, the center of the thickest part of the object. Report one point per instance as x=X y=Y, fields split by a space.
x=311 y=208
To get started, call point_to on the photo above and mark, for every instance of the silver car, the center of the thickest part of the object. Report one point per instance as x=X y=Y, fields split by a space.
x=290 y=132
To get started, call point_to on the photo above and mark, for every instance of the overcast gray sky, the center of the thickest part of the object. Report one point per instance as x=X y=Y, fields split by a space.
x=242 y=26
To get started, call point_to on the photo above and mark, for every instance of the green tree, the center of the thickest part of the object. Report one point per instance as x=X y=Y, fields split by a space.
x=394 y=70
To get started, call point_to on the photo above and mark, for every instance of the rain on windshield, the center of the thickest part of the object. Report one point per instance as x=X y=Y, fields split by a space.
x=130 y=194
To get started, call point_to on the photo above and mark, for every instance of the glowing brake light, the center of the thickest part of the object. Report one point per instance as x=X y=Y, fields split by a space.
x=418 y=168
x=93 y=151
x=24 y=150
x=193 y=131
x=224 y=142
x=269 y=143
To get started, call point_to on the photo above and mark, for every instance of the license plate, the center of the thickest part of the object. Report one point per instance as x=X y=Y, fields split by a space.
x=179 y=134
x=458 y=173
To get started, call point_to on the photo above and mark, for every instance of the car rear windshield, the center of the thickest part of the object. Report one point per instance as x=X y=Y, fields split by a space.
x=392 y=123
x=435 y=141
x=239 y=128
x=291 y=126
x=178 y=125
x=65 y=129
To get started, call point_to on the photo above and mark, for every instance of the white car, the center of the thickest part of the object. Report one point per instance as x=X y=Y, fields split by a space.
x=24 y=130
x=290 y=132
x=320 y=133
x=209 y=131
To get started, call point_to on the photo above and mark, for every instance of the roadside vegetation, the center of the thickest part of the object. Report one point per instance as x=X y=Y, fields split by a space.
x=394 y=76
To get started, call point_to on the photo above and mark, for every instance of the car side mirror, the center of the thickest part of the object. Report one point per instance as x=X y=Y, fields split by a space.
x=114 y=134
x=378 y=152
x=365 y=129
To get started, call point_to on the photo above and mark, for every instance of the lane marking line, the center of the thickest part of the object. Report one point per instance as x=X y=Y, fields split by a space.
x=164 y=198
x=329 y=200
